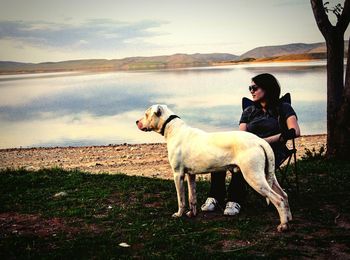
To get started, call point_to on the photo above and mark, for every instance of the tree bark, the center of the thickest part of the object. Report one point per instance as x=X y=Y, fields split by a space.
x=338 y=95
x=347 y=76
x=335 y=75
x=343 y=135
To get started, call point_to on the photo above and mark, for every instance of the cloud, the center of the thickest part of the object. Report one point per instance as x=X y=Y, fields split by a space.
x=288 y=3
x=92 y=34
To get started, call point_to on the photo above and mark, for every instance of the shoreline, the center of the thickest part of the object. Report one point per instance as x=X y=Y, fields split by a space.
x=111 y=145
x=111 y=69
x=148 y=160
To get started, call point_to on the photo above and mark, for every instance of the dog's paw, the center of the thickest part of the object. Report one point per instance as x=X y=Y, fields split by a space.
x=191 y=214
x=176 y=215
x=283 y=227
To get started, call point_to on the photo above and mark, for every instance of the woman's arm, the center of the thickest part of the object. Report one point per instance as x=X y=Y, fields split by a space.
x=292 y=122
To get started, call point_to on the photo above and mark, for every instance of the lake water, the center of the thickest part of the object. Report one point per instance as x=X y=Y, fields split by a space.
x=73 y=109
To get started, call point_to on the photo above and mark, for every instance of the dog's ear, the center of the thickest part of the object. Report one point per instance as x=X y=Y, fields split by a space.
x=159 y=111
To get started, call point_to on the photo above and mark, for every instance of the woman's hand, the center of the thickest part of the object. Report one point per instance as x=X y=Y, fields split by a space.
x=287 y=135
x=243 y=126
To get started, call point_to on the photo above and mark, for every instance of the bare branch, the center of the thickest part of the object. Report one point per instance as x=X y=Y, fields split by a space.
x=321 y=17
x=344 y=19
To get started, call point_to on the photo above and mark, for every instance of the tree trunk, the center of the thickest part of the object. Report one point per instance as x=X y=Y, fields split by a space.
x=338 y=95
x=342 y=134
x=335 y=83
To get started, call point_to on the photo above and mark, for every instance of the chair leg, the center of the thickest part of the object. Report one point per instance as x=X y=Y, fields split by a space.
x=284 y=172
x=296 y=173
x=295 y=167
x=283 y=176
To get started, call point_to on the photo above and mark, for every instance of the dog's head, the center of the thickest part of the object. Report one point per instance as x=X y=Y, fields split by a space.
x=154 y=118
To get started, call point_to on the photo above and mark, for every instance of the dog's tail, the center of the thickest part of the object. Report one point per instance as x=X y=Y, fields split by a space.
x=269 y=164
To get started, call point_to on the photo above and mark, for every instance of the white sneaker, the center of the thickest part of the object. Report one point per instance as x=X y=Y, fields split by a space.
x=209 y=205
x=232 y=208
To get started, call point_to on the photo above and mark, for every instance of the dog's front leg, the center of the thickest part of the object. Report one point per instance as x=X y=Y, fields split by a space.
x=192 y=196
x=179 y=184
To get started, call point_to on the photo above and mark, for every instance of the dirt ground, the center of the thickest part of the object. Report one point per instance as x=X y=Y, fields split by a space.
x=138 y=159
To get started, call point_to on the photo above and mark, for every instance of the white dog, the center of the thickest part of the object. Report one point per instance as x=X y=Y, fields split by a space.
x=192 y=151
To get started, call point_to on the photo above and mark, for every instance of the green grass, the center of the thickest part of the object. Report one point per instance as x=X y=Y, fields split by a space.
x=101 y=211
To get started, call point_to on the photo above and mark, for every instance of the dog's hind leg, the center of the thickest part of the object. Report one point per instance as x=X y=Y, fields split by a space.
x=256 y=179
x=180 y=191
x=277 y=188
x=192 y=196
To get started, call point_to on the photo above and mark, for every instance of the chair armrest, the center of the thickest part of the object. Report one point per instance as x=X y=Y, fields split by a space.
x=287 y=135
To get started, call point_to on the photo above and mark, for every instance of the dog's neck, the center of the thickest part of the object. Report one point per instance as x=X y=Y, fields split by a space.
x=170 y=118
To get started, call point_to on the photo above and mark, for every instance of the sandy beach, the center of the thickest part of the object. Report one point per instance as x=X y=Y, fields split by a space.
x=148 y=160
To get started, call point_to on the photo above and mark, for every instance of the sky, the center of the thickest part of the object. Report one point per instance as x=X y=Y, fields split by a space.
x=47 y=30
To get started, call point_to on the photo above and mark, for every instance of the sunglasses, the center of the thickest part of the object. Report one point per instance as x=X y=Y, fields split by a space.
x=253 y=88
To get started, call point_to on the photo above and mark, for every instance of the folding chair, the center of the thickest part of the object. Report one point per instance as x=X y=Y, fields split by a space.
x=289 y=152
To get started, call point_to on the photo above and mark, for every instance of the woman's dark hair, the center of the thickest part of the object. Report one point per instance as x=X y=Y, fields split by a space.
x=271 y=86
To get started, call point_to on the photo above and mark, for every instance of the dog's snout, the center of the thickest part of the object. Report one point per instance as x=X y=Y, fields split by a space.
x=139 y=124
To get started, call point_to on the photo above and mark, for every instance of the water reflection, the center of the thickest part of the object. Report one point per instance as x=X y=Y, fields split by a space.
x=94 y=109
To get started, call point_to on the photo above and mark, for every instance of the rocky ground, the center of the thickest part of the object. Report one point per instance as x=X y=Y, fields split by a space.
x=140 y=159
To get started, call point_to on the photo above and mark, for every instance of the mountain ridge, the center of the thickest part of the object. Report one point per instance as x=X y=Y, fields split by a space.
x=293 y=51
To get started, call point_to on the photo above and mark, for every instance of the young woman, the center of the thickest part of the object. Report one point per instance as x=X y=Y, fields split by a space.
x=268 y=118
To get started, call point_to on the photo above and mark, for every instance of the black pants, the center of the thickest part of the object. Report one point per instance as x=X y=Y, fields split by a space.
x=236 y=191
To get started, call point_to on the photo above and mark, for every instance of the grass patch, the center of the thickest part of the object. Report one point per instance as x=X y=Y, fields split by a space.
x=70 y=214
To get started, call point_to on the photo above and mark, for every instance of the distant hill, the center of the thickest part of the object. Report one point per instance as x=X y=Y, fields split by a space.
x=288 y=49
x=295 y=51
x=133 y=63
x=281 y=50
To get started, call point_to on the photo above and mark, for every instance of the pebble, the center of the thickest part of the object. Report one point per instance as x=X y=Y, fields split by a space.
x=124 y=244
x=60 y=194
